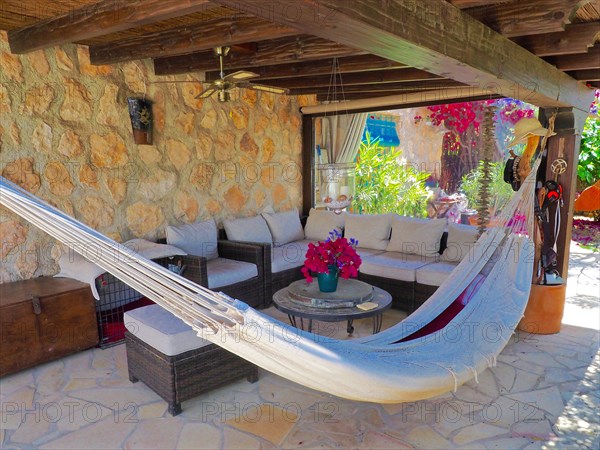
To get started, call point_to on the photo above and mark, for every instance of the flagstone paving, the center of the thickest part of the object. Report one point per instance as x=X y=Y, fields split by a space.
x=543 y=394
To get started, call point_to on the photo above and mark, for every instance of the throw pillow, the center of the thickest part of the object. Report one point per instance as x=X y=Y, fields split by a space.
x=321 y=222
x=460 y=240
x=416 y=236
x=284 y=226
x=371 y=230
x=248 y=229
x=199 y=239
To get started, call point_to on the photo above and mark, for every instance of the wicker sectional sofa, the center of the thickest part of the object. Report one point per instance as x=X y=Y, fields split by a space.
x=409 y=258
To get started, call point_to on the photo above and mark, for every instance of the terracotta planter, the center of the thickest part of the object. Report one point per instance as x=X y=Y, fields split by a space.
x=140 y=113
x=544 y=311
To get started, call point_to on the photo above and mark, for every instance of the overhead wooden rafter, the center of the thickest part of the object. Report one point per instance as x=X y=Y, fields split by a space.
x=523 y=18
x=276 y=51
x=586 y=75
x=409 y=86
x=584 y=61
x=382 y=77
x=104 y=17
x=314 y=68
x=431 y=36
x=229 y=31
x=577 y=38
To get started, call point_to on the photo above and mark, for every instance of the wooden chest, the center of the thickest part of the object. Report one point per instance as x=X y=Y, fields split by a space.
x=43 y=319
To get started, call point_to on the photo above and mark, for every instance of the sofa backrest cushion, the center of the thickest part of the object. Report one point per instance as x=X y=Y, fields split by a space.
x=284 y=226
x=371 y=230
x=248 y=229
x=460 y=240
x=199 y=239
x=321 y=222
x=416 y=236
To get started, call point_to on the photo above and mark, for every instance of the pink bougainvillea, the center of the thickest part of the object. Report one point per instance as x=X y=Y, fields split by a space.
x=336 y=251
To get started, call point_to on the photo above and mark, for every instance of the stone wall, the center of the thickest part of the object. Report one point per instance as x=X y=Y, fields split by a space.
x=65 y=136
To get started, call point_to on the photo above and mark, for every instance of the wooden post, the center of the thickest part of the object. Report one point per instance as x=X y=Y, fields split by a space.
x=308 y=161
x=565 y=145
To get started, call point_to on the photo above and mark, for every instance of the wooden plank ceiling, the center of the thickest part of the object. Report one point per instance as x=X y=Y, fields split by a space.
x=293 y=43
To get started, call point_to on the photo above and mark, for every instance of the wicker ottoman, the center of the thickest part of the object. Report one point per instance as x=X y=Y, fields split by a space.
x=168 y=356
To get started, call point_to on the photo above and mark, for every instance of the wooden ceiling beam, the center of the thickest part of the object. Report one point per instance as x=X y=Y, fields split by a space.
x=276 y=51
x=475 y=3
x=104 y=17
x=397 y=87
x=314 y=68
x=586 y=75
x=523 y=18
x=374 y=77
x=431 y=96
x=583 y=61
x=431 y=36
x=577 y=38
x=231 y=31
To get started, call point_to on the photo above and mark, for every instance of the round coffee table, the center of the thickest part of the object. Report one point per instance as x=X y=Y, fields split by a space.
x=296 y=306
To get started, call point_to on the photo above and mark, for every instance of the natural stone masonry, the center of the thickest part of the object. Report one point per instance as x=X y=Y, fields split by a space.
x=65 y=135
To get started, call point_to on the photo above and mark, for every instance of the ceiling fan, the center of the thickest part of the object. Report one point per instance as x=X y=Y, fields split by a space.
x=223 y=85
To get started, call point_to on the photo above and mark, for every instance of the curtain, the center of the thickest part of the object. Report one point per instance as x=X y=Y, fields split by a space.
x=341 y=136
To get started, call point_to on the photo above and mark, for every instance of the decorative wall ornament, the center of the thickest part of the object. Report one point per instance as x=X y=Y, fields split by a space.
x=140 y=113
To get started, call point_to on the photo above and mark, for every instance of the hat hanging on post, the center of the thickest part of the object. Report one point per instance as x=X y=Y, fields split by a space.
x=529 y=127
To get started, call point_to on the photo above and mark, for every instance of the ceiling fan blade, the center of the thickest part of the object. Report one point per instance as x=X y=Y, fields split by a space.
x=241 y=75
x=207 y=92
x=271 y=89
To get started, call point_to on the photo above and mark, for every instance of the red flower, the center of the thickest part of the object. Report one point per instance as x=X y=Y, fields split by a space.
x=336 y=251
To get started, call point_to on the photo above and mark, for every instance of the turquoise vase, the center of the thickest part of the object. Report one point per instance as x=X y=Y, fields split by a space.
x=328 y=281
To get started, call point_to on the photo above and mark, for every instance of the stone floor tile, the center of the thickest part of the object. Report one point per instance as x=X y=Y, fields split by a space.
x=548 y=399
x=119 y=398
x=103 y=435
x=267 y=421
x=525 y=381
x=152 y=410
x=76 y=384
x=425 y=437
x=505 y=375
x=33 y=428
x=155 y=434
x=15 y=381
x=512 y=443
x=236 y=440
x=77 y=414
x=554 y=375
x=383 y=441
x=534 y=430
x=478 y=432
x=195 y=435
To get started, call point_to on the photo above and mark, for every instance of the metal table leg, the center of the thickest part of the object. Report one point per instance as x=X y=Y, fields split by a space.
x=350 y=328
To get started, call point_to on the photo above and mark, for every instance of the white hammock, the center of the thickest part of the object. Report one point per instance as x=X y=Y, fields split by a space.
x=377 y=368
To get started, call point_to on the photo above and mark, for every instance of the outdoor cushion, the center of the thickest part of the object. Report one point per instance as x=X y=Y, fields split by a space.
x=224 y=272
x=394 y=265
x=371 y=230
x=162 y=330
x=367 y=252
x=248 y=229
x=284 y=226
x=460 y=240
x=288 y=256
x=416 y=236
x=434 y=274
x=320 y=223
x=198 y=239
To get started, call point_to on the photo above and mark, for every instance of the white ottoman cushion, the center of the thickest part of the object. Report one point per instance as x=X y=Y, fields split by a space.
x=162 y=330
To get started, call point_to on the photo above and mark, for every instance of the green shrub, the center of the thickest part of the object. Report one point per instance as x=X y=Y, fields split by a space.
x=588 y=169
x=384 y=185
x=501 y=191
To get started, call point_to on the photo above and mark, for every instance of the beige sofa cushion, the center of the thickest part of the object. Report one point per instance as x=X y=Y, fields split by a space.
x=394 y=265
x=198 y=239
x=320 y=223
x=288 y=256
x=248 y=229
x=434 y=274
x=371 y=230
x=224 y=272
x=284 y=226
x=416 y=236
x=461 y=238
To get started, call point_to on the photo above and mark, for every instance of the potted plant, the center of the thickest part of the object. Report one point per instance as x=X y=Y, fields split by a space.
x=336 y=257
